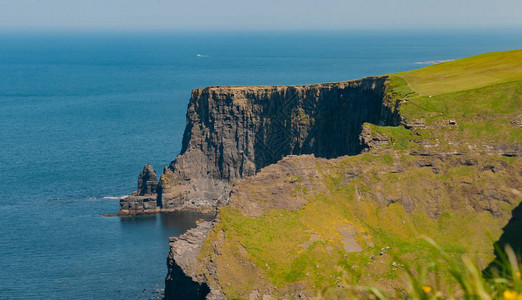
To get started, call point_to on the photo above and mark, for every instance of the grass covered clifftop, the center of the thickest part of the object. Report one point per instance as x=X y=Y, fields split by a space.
x=466 y=74
x=473 y=102
x=450 y=171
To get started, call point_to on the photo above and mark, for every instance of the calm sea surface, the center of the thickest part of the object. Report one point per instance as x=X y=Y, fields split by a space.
x=81 y=113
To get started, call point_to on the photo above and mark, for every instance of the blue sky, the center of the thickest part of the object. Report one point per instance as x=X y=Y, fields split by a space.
x=265 y=14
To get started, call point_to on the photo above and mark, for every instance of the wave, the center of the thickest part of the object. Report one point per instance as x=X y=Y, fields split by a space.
x=112 y=197
x=432 y=62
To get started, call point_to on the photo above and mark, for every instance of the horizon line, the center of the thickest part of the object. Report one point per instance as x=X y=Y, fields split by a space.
x=248 y=30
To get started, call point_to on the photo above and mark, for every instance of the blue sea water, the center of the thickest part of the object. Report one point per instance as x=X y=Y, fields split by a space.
x=80 y=113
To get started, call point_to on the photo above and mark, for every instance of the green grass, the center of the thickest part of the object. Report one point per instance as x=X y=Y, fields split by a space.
x=484 y=115
x=400 y=137
x=466 y=74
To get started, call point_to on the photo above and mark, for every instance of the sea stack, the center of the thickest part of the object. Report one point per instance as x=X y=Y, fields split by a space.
x=147 y=181
x=144 y=200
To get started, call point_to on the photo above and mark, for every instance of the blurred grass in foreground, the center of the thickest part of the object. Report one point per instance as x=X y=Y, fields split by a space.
x=501 y=280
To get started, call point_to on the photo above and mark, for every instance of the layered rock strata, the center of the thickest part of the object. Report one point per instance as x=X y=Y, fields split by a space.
x=144 y=200
x=232 y=132
x=147 y=181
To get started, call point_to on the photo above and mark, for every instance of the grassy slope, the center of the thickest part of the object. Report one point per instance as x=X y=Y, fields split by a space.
x=462 y=201
x=466 y=74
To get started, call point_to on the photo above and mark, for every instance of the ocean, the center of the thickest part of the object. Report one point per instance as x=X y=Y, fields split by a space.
x=82 y=112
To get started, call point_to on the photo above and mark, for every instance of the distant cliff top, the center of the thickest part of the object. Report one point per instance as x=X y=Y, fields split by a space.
x=232 y=88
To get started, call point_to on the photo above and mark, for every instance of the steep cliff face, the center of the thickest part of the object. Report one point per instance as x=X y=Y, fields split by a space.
x=233 y=132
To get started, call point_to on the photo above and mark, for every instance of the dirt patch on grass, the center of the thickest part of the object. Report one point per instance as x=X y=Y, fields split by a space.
x=349 y=243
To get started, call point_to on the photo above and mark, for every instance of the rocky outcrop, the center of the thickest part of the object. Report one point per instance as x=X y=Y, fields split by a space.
x=144 y=200
x=233 y=132
x=292 y=179
x=371 y=140
x=182 y=281
x=147 y=181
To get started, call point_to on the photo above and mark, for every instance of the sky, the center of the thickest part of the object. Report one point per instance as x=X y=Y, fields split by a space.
x=258 y=15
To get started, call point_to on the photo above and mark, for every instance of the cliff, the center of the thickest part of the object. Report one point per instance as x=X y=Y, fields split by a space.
x=233 y=132
x=325 y=186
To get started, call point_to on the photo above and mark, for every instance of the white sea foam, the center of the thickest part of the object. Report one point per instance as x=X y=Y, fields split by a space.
x=201 y=55
x=432 y=62
x=112 y=197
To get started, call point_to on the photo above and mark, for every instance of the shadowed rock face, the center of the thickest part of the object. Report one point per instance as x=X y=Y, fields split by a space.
x=233 y=132
x=147 y=181
x=181 y=281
